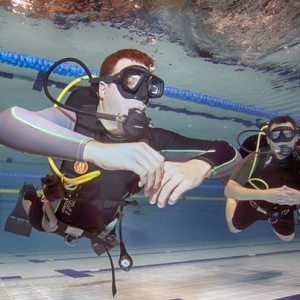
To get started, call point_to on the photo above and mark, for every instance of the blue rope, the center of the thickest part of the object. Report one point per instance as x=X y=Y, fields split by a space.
x=42 y=64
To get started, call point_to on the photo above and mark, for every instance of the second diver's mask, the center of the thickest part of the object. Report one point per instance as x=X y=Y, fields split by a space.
x=282 y=134
x=282 y=138
x=135 y=82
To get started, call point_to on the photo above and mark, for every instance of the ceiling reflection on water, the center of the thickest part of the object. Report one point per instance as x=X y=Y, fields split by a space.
x=91 y=10
x=235 y=31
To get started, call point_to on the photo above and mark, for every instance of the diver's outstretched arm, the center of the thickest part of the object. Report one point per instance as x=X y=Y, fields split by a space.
x=50 y=133
x=46 y=133
x=236 y=191
x=283 y=195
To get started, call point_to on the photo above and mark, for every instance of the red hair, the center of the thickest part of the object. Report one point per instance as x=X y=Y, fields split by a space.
x=110 y=61
x=282 y=119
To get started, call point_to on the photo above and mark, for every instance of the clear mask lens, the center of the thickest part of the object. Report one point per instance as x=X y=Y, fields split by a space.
x=289 y=134
x=274 y=135
x=156 y=87
x=131 y=79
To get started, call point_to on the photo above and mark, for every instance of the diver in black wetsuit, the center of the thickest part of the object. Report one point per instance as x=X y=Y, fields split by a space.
x=266 y=186
x=129 y=154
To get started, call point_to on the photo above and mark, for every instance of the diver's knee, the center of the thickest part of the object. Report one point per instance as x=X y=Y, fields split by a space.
x=285 y=238
x=26 y=205
x=29 y=195
x=230 y=207
x=231 y=228
x=234 y=230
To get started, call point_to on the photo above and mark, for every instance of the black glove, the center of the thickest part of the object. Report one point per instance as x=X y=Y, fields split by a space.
x=53 y=188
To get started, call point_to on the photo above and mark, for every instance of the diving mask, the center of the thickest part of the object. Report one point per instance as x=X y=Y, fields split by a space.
x=282 y=134
x=135 y=82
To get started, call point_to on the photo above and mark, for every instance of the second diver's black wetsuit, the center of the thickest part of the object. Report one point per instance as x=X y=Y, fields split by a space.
x=275 y=173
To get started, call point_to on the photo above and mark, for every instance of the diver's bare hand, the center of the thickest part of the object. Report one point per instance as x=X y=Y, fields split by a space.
x=137 y=157
x=282 y=195
x=178 y=178
x=287 y=196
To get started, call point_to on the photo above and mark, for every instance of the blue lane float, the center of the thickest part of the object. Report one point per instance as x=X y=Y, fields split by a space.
x=216 y=102
x=42 y=64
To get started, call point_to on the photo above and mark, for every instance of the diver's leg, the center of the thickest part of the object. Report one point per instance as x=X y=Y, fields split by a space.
x=230 y=209
x=285 y=238
x=27 y=192
x=240 y=215
x=284 y=228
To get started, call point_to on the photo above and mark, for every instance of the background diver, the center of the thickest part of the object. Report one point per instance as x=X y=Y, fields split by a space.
x=266 y=185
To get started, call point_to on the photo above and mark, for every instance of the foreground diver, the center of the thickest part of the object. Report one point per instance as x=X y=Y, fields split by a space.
x=266 y=186
x=128 y=155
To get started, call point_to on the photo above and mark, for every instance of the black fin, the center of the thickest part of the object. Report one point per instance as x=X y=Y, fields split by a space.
x=17 y=221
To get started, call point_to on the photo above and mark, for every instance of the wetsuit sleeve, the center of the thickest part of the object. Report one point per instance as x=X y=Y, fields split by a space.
x=222 y=157
x=47 y=133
